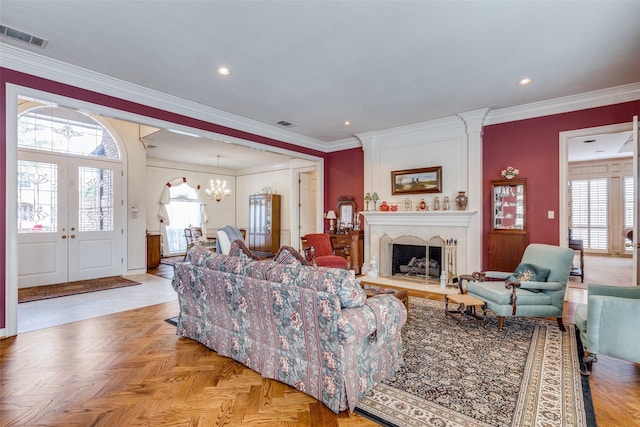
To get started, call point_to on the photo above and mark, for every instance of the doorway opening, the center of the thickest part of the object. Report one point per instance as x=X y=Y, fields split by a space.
x=597 y=195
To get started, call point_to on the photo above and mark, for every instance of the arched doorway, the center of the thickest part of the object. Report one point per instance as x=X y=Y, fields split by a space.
x=68 y=192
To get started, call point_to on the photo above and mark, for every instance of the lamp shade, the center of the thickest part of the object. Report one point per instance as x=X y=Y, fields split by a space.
x=331 y=215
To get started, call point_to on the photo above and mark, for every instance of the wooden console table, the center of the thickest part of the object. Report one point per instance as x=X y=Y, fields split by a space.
x=154 y=250
x=355 y=240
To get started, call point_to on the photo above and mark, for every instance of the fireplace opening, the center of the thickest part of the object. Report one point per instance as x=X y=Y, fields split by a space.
x=435 y=262
x=411 y=262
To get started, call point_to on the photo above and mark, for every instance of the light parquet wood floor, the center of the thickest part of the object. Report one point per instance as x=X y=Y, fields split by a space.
x=130 y=369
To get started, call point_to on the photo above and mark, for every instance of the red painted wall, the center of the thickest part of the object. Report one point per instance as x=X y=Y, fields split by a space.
x=344 y=176
x=533 y=147
x=352 y=174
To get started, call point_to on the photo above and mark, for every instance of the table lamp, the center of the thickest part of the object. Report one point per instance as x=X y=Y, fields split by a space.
x=331 y=216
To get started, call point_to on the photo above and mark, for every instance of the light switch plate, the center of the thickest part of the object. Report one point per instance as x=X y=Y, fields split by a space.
x=551 y=214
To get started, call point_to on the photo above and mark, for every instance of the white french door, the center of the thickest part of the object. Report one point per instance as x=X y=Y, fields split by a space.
x=636 y=212
x=69 y=218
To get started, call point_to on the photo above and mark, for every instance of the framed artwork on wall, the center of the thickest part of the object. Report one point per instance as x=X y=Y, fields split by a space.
x=417 y=181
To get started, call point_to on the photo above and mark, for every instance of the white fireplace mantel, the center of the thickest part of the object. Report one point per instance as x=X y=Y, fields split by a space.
x=417 y=218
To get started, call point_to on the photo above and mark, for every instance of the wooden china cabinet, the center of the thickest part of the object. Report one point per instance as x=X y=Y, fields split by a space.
x=264 y=223
x=508 y=235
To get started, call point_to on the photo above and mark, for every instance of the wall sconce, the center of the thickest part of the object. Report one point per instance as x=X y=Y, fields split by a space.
x=331 y=216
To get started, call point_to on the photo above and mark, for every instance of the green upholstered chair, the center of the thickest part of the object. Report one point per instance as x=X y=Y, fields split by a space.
x=540 y=294
x=609 y=323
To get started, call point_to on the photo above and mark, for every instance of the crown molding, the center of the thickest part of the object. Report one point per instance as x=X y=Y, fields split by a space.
x=582 y=101
x=38 y=65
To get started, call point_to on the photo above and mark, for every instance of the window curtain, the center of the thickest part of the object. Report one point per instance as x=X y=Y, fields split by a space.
x=165 y=199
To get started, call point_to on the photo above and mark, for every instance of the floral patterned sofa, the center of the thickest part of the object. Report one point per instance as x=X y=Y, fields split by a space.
x=310 y=327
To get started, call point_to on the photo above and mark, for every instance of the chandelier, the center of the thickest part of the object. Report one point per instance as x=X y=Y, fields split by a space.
x=217 y=190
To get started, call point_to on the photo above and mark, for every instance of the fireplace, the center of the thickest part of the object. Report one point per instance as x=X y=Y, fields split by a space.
x=412 y=258
x=383 y=230
x=416 y=262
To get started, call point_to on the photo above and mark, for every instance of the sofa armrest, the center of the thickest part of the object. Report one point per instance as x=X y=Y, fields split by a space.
x=606 y=315
x=542 y=286
x=502 y=275
x=380 y=317
x=614 y=291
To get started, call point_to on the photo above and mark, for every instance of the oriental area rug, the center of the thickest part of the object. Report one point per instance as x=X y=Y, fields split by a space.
x=474 y=375
x=36 y=293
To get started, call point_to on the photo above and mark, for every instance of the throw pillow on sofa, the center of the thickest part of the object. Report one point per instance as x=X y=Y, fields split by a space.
x=288 y=255
x=529 y=273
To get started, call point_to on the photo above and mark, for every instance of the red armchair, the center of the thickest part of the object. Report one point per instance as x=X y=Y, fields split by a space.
x=319 y=250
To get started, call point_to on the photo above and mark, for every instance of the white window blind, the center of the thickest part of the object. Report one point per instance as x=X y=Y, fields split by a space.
x=589 y=212
x=628 y=201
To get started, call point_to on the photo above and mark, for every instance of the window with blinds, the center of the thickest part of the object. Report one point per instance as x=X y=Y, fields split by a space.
x=628 y=208
x=589 y=199
x=628 y=201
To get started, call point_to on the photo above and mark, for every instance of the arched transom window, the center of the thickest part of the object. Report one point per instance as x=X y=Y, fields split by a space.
x=63 y=130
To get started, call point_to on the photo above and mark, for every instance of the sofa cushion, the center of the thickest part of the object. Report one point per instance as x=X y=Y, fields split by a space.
x=199 y=255
x=499 y=294
x=335 y=281
x=529 y=273
x=239 y=249
x=288 y=255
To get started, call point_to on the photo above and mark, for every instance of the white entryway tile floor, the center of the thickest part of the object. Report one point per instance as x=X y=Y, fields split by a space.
x=57 y=311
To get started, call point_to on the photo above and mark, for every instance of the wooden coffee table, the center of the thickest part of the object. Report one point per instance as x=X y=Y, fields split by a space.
x=466 y=308
x=401 y=294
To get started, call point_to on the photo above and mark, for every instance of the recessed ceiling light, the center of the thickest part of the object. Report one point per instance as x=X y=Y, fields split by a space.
x=525 y=81
x=223 y=71
x=346 y=123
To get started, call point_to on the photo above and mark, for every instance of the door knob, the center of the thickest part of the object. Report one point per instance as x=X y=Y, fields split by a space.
x=73 y=229
x=73 y=236
x=64 y=236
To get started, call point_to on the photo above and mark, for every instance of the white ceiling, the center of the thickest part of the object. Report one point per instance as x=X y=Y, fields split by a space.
x=315 y=64
x=600 y=146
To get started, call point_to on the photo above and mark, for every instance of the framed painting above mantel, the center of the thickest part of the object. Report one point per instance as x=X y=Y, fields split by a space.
x=417 y=181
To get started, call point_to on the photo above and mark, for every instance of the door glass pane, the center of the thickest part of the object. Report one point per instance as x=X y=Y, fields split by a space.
x=37 y=197
x=95 y=199
x=62 y=130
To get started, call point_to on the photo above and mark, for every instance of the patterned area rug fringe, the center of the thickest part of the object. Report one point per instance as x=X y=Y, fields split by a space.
x=475 y=375
x=36 y=293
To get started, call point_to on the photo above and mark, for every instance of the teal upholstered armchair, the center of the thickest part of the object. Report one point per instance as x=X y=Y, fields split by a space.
x=535 y=289
x=609 y=323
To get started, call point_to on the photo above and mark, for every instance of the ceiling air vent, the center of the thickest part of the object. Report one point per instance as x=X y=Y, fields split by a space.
x=22 y=36
x=284 y=123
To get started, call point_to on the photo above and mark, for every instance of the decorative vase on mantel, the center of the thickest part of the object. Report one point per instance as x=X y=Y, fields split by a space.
x=462 y=200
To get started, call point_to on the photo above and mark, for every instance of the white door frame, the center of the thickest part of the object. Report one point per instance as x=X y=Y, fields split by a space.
x=13 y=92
x=564 y=170
x=296 y=170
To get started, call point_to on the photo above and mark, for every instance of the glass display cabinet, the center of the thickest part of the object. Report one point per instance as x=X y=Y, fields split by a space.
x=508 y=204
x=508 y=235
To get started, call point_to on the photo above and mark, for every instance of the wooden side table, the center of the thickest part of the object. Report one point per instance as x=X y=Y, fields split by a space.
x=401 y=294
x=466 y=311
x=576 y=245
